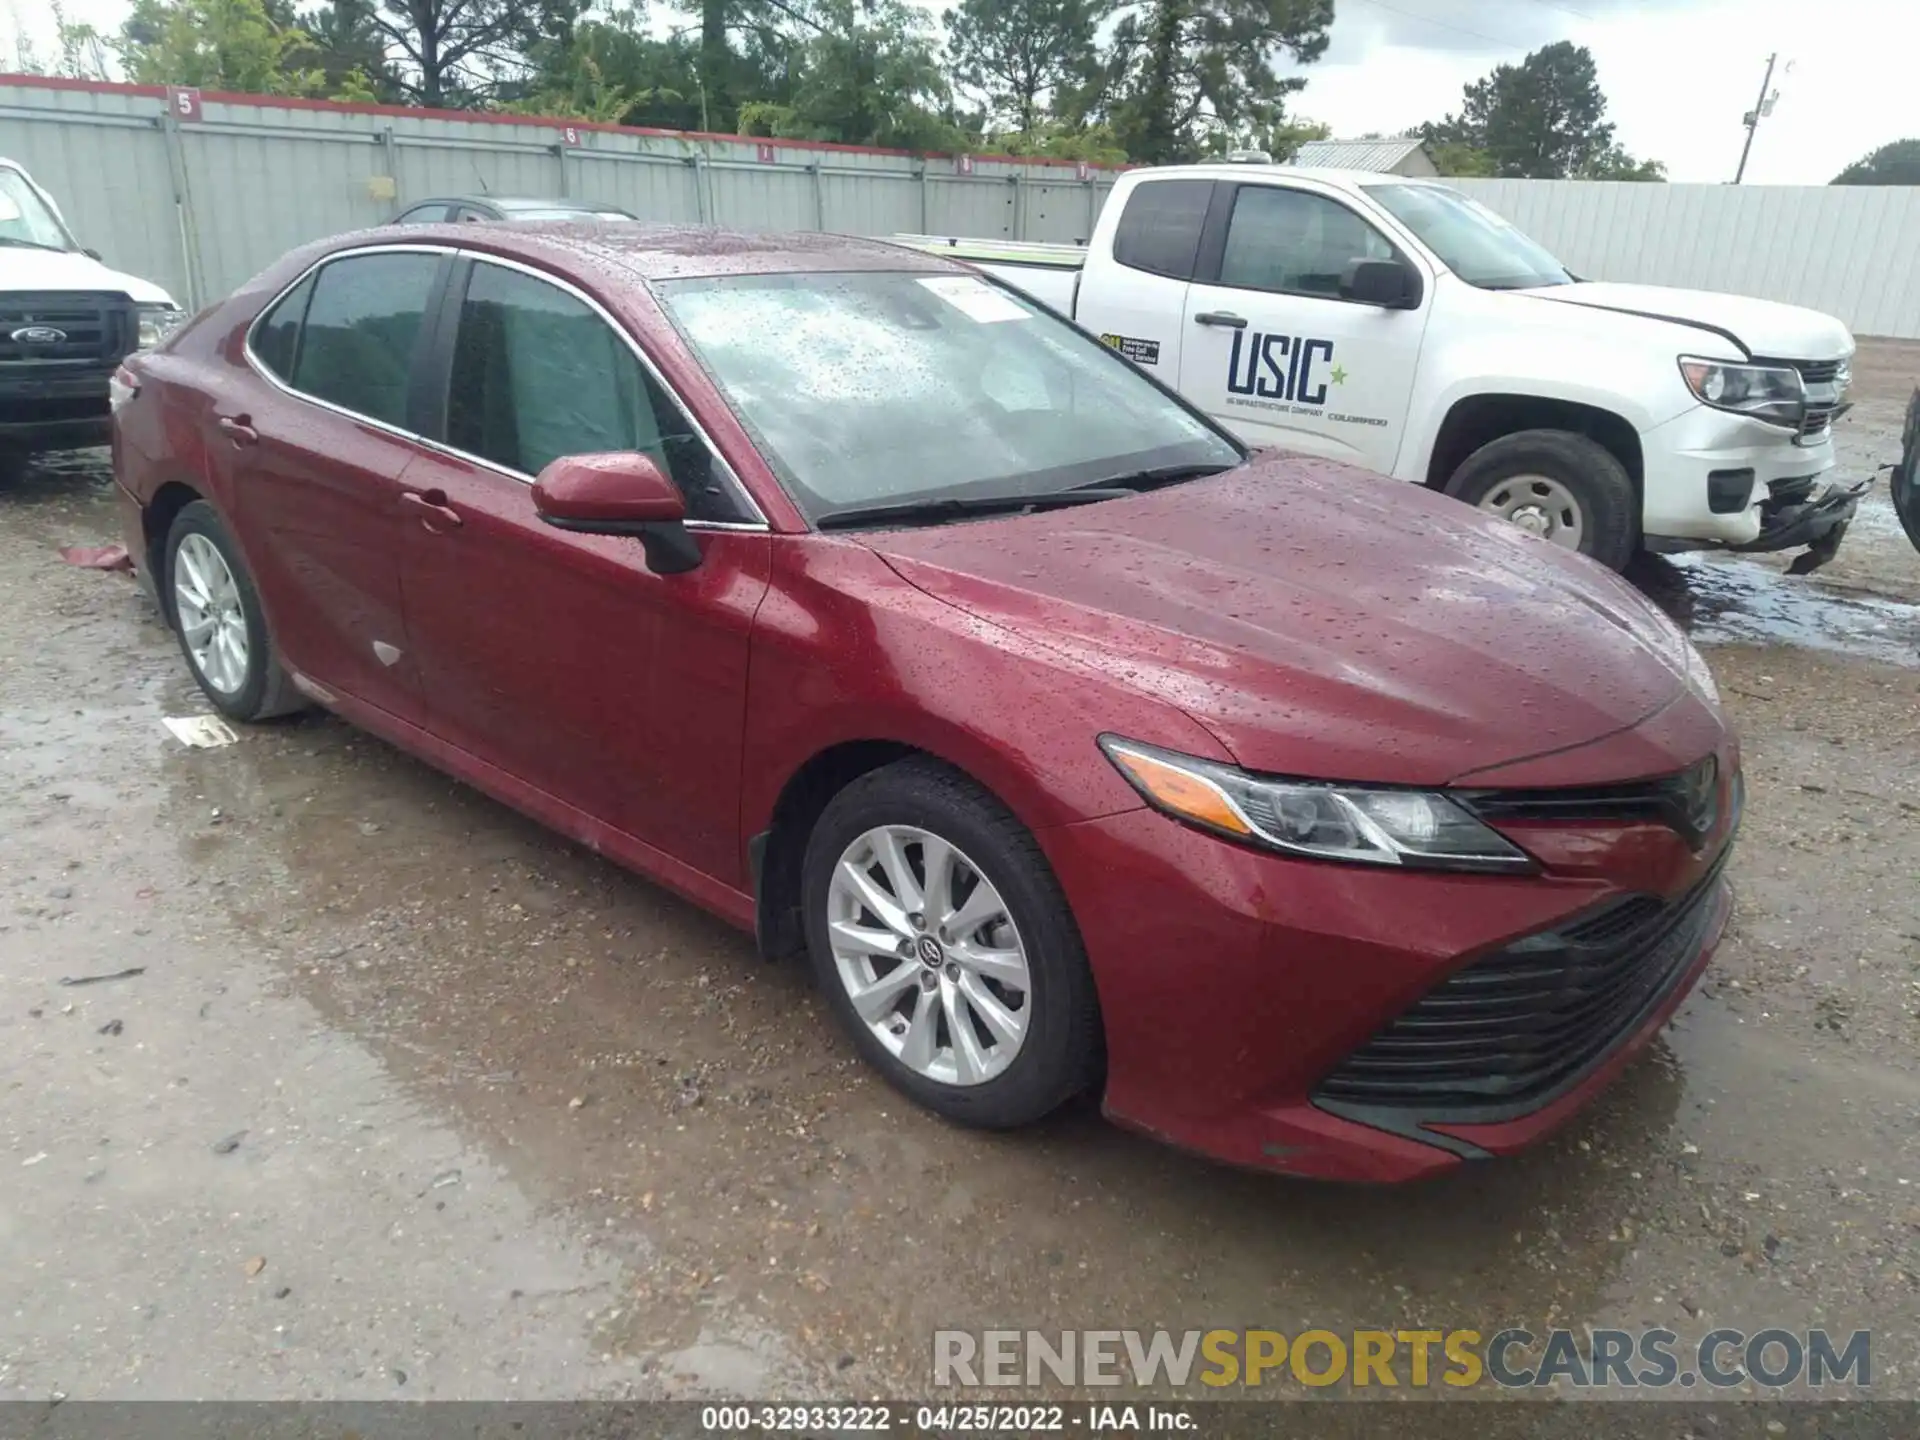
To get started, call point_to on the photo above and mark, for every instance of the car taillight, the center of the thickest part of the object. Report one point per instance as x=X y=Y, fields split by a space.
x=122 y=386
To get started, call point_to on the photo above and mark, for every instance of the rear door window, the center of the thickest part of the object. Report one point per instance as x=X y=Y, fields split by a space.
x=1159 y=231
x=276 y=337
x=363 y=323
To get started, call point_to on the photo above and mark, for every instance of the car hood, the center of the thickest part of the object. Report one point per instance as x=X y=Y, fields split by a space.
x=1768 y=329
x=29 y=269
x=1320 y=621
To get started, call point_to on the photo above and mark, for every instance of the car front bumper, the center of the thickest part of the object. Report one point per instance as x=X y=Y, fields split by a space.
x=62 y=412
x=1716 y=481
x=1237 y=987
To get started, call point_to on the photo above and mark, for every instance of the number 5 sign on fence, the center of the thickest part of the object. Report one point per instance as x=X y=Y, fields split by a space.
x=183 y=102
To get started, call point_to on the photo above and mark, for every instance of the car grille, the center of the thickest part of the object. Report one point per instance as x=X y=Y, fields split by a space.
x=98 y=329
x=1824 y=410
x=1511 y=1029
x=1685 y=802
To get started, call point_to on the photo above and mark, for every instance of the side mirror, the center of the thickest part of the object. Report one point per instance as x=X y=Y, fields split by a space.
x=620 y=493
x=1389 y=284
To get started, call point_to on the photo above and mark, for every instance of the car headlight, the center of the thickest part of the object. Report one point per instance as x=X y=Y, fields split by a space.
x=1766 y=392
x=158 y=321
x=1367 y=824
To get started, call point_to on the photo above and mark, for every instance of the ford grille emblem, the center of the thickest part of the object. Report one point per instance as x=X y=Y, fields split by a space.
x=37 y=335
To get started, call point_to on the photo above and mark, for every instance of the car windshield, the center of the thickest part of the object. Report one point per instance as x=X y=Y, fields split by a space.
x=880 y=388
x=1476 y=244
x=25 y=218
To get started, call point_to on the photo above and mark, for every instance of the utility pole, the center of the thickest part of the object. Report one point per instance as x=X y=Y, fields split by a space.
x=1761 y=108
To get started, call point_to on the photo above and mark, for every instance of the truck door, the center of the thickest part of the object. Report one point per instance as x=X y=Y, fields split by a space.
x=1133 y=295
x=1274 y=353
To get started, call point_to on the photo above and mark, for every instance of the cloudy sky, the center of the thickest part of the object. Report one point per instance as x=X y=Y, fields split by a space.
x=1679 y=73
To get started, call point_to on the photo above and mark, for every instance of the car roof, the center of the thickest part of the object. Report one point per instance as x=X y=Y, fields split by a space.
x=1325 y=174
x=651 y=250
x=517 y=202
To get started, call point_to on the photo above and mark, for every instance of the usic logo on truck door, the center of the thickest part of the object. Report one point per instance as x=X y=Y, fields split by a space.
x=1278 y=367
x=1287 y=373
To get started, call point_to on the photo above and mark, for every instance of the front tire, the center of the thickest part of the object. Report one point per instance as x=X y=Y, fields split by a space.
x=944 y=945
x=1567 y=489
x=222 y=626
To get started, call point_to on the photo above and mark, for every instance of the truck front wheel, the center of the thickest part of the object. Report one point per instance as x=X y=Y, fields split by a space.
x=1563 y=487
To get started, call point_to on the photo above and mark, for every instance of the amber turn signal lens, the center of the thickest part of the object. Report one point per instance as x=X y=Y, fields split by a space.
x=1181 y=791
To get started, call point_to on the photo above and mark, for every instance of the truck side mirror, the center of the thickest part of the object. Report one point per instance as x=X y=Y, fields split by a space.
x=1390 y=284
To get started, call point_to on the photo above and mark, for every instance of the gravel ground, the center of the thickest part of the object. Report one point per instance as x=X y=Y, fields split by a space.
x=412 y=1100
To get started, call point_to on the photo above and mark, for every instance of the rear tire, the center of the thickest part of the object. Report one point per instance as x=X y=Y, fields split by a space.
x=992 y=943
x=1566 y=488
x=222 y=627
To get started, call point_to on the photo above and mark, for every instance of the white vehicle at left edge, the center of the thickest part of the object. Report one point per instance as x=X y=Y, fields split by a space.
x=66 y=322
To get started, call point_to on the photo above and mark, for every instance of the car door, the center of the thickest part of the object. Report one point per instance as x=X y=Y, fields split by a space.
x=560 y=657
x=1136 y=300
x=1275 y=353
x=314 y=435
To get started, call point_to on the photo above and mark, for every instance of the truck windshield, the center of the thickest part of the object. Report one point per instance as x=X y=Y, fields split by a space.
x=24 y=216
x=1472 y=241
x=885 y=389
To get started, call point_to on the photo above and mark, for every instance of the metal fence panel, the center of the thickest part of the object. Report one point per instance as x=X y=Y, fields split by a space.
x=1851 y=251
x=198 y=206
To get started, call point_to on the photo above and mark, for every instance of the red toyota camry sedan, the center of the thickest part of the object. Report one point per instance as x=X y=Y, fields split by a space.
x=1318 y=822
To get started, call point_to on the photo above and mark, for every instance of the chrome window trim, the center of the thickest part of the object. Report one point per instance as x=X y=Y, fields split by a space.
x=261 y=369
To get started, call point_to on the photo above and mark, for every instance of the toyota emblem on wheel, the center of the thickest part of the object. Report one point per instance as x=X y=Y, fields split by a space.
x=37 y=335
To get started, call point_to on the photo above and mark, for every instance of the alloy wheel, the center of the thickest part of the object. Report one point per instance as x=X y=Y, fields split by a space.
x=929 y=955
x=212 y=620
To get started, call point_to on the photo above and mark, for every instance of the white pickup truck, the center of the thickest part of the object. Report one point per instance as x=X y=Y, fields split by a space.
x=1401 y=326
x=66 y=323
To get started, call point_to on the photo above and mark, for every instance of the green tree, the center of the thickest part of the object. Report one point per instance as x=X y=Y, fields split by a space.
x=453 y=53
x=351 y=51
x=246 y=45
x=1543 y=119
x=1281 y=140
x=869 y=73
x=1895 y=164
x=1179 y=72
x=1456 y=157
x=1015 y=52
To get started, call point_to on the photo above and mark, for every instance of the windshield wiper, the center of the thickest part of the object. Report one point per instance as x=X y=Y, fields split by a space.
x=31 y=244
x=1137 y=482
x=962 y=507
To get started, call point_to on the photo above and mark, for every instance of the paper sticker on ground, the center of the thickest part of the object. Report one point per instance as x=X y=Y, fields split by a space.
x=203 y=732
x=975 y=299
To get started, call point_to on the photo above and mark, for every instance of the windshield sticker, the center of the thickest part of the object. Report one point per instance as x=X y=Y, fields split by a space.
x=1141 y=352
x=975 y=299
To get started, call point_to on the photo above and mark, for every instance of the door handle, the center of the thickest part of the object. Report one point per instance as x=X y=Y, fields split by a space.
x=432 y=508
x=1221 y=317
x=239 y=429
